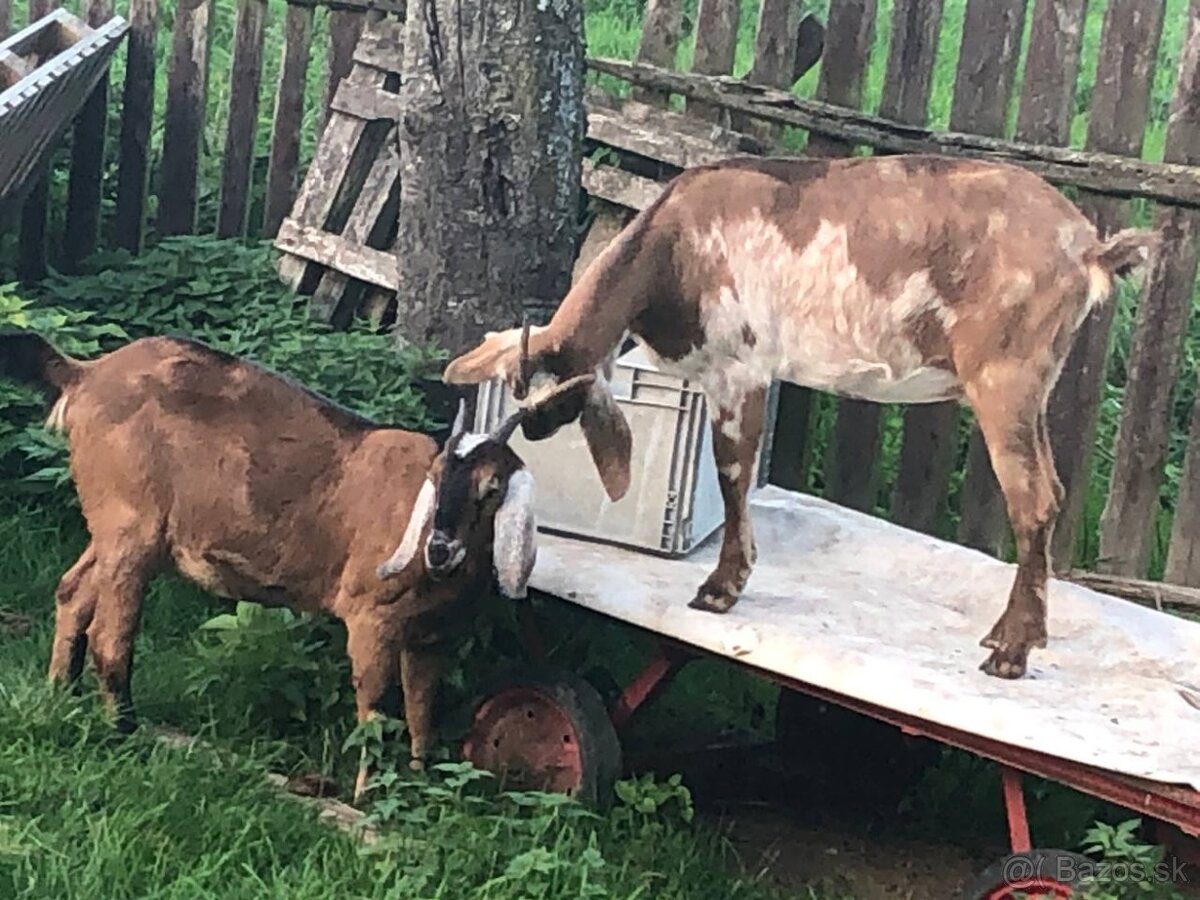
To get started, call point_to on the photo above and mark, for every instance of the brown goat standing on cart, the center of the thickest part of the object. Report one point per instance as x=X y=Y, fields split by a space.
x=255 y=488
x=897 y=279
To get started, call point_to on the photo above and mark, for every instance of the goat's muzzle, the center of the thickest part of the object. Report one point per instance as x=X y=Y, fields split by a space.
x=443 y=555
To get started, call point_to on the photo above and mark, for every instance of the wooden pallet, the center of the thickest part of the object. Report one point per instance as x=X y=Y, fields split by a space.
x=47 y=72
x=336 y=242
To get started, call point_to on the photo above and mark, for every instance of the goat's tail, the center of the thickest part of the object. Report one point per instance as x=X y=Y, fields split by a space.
x=29 y=358
x=1122 y=254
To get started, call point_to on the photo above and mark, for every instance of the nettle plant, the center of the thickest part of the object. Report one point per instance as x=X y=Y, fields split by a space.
x=224 y=293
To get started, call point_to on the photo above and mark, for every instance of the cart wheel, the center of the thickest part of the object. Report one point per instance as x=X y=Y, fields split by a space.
x=546 y=730
x=826 y=748
x=1038 y=873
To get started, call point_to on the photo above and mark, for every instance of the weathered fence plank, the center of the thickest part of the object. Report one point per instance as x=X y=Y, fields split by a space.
x=716 y=43
x=137 y=121
x=284 y=163
x=1183 y=553
x=1120 y=102
x=848 y=40
x=6 y=18
x=245 y=82
x=31 y=243
x=853 y=467
x=345 y=28
x=1127 y=523
x=81 y=229
x=183 y=122
x=662 y=30
x=1104 y=173
x=987 y=63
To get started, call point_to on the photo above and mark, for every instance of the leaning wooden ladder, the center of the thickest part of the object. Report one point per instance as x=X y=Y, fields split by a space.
x=47 y=72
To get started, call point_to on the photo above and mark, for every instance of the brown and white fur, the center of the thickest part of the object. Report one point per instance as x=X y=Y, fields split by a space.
x=256 y=489
x=897 y=279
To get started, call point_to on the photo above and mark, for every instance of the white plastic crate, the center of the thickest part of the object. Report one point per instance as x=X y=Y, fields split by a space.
x=674 y=500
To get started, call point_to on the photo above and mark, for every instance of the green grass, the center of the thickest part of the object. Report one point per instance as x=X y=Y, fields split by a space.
x=84 y=814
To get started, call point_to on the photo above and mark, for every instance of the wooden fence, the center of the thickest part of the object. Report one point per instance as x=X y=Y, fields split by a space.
x=990 y=83
x=175 y=189
x=1107 y=173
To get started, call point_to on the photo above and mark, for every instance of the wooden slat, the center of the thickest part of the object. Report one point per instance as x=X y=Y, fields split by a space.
x=382 y=47
x=5 y=17
x=619 y=187
x=81 y=230
x=1127 y=524
x=853 y=468
x=289 y=118
x=1149 y=593
x=716 y=44
x=366 y=102
x=245 y=82
x=376 y=267
x=987 y=63
x=31 y=246
x=662 y=29
x=1106 y=173
x=651 y=132
x=183 y=122
x=345 y=27
x=1120 y=102
x=390 y=7
x=137 y=118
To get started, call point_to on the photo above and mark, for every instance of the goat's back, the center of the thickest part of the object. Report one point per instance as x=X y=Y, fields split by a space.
x=254 y=486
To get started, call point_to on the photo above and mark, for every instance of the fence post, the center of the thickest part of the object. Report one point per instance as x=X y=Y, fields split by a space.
x=1048 y=88
x=662 y=29
x=289 y=118
x=31 y=244
x=716 y=44
x=345 y=27
x=81 y=230
x=244 y=86
x=853 y=465
x=137 y=120
x=1154 y=356
x=183 y=123
x=1183 y=554
x=5 y=17
x=1120 y=101
x=987 y=64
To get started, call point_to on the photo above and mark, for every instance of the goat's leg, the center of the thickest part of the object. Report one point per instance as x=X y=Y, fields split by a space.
x=371 y=643
x=420 y=668
x=1011 y=418
x=736 y=429
x=75 y=603
x=120 y=585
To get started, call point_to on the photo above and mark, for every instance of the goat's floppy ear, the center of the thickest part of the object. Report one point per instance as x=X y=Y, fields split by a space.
x=608 y=438
x=411 y=542
x=497 y=356
x=514 y=549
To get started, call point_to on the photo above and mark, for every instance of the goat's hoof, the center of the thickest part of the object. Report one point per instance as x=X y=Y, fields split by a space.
x=416 y=765
x=713 y=599
x=1006 y=662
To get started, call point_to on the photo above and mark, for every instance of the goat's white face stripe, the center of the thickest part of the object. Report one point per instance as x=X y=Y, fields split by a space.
x=421 y=514
x=514 y=550
x=467 y=443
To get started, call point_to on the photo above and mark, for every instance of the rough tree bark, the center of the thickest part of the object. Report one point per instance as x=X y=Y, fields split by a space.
x=490 y=147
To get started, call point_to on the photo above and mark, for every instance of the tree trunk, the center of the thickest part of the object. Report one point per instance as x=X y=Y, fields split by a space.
x=490 y=147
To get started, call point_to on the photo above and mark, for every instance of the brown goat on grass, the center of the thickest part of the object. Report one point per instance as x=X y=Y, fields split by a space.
x=897 y=279
x=257 y=489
